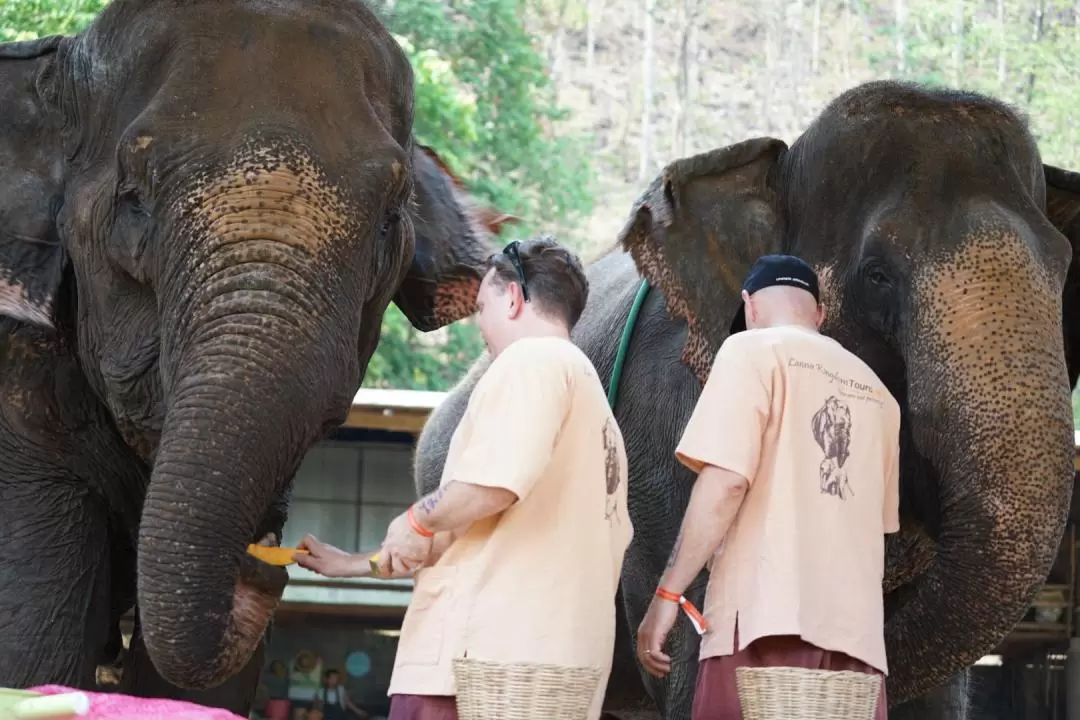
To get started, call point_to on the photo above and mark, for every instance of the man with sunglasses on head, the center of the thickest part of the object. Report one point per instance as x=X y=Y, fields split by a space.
x=517 y=555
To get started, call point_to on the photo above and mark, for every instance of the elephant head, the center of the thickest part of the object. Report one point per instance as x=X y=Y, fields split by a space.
x=213 y=203
x=431 y=294
x=942 y=243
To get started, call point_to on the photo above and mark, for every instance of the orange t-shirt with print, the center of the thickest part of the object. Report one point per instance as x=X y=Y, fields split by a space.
x=537 y=582
x=816 y=433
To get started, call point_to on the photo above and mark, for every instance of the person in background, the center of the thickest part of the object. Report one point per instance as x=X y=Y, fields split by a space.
x=333 y=700
x=795 y=441
x=277 y=680
x=303 y=682
x=517 y=555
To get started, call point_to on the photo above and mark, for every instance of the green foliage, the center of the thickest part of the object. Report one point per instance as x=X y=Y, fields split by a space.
x=483 y=101
x=1076 y=408
x=419 y=361
x=1023 y=58
x=486 y=103
x=29 y=19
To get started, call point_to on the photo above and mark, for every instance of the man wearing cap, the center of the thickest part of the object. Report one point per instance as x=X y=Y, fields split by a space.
x=795 y=442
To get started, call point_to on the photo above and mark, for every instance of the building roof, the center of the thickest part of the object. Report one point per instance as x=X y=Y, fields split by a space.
x=402 y=399
x=397 y=410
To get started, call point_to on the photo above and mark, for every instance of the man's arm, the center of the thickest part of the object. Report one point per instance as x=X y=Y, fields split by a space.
x=722 y=444
x=715 y=500
x=457 y=505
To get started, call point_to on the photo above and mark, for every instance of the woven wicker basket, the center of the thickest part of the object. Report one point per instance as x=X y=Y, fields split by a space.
x=788 y=693
x=523 y=691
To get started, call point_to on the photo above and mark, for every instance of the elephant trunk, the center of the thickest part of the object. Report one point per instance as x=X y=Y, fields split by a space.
x=989 y=407
x=257 y=363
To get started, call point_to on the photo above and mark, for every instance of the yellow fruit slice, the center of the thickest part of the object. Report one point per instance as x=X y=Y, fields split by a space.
x=274 y=555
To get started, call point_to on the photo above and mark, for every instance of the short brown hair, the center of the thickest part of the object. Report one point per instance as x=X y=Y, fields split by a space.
x=554 y=277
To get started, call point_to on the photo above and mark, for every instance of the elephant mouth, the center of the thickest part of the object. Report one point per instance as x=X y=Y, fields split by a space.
x=259 y=587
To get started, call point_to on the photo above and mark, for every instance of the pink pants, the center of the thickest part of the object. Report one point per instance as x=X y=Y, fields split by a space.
x=423 y=707
x=716 y=696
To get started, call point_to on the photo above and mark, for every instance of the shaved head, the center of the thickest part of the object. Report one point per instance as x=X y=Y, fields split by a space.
x=782 y=305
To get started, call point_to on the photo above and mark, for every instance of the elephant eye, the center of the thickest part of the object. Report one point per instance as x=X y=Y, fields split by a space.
x=129 y=198
x=878 y=276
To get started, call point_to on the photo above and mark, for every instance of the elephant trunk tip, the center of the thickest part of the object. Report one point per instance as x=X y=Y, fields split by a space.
x=194 y=663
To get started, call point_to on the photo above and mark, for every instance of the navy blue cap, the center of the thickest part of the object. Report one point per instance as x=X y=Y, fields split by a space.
x=771 y=270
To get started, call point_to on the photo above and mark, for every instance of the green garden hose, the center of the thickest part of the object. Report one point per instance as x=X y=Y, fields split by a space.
x=624 y=342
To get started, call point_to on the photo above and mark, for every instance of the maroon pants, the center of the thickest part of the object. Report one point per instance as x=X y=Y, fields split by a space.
x=423 y=707
x=716 y=696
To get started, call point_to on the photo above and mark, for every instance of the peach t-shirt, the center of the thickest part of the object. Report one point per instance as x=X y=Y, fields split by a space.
x=816 y=433
x=537 y=582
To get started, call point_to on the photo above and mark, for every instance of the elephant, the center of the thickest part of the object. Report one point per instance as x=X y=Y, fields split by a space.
x=206 y=206
x=945 y=252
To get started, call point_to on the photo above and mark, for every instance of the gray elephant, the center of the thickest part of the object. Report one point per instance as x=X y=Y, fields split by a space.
x=945 y=251
x=205 y=209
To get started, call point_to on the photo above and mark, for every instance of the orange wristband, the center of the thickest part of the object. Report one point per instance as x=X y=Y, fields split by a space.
x=696 y=618
x=420 y=529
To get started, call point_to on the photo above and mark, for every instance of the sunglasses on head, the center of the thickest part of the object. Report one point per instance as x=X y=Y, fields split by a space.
x=511 y=251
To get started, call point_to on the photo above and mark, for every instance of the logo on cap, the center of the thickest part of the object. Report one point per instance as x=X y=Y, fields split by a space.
x=772 y=270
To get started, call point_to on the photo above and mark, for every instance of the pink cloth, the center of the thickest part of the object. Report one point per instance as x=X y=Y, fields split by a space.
x=114 y=706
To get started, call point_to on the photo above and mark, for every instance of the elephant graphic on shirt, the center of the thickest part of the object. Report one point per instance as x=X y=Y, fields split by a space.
x=832 y=431
x=612 y=469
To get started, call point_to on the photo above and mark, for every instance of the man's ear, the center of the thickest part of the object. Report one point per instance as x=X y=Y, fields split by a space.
x=698 y=229
x=32 y=259
x=453 y=244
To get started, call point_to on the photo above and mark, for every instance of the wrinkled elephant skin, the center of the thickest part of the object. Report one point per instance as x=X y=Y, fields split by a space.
x=945 y=251
x=205 y=209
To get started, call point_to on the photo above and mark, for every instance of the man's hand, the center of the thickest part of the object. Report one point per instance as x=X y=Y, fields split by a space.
x=651 y=634
x=404 y=549
x=328 y=560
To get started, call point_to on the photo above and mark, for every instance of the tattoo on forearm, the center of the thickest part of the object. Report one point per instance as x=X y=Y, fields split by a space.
x=428 y=502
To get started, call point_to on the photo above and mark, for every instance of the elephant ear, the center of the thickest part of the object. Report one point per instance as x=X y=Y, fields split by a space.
x=696 y=231
x=1063 y=210
x=32 y=260
x=453 y=243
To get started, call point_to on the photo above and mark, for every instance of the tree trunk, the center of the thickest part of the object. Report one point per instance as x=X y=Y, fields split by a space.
x=901 y=10
x=1001 y=69
x=958 y=42
x=647 y=93
x=681 y=134
x=815 y=48
x=593 y=8
x=845 y=55
x=795 y=46
x=770 y=65
x=1036 y=35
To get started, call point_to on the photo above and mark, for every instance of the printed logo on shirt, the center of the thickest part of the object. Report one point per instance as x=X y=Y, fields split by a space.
x=831 y=427
x=848 y=385
x=612 y=469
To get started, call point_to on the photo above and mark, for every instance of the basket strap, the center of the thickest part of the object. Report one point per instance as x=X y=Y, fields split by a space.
x=696 y=618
